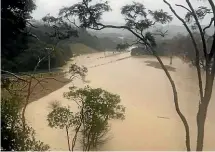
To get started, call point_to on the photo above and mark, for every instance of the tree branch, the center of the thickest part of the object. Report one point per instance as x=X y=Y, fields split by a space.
x=14 y=75
x=135 y=42
x=38 y=82
x=160 y=33
x=213 y=8
x=34 y=36
x=48 y=78
x=195 y=47
x=183 y=7
x=40 y=60
x=212 y=52
x=212 y=19
x=175 y=94
x=28 y=22
x=120 y=27
x=200 y=29
x=73 y=22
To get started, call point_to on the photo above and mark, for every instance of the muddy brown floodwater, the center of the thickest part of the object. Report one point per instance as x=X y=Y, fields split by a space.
x=151 y=121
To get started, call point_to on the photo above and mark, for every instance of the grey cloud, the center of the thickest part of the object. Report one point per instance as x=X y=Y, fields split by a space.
x=52 y=6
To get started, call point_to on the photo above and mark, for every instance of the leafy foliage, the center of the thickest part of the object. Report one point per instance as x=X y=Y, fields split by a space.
x=99 y=101
x=88 y=15
x=60 y=117
x=150 y=38
x=61 y=30
x=77 y=71
x=133 y=11
x=54 y=104
x=15 y=17
x=160 y=16
x=96 y=106
x=27 y=59
x=137 y=18
x=13 y=135
x=201 y=12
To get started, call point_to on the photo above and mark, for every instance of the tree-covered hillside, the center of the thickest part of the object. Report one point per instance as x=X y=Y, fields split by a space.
x=26 y=55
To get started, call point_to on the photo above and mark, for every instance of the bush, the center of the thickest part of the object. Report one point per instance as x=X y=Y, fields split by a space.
x=96 y=107
x=14 y=138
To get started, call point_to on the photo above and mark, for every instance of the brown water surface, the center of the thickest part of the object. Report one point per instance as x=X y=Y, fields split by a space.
x=151 y=121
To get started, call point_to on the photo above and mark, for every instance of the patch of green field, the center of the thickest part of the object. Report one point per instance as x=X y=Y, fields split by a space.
x=79 y=48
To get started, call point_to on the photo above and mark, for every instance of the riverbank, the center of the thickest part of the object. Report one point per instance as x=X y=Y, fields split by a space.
x=45 y=82
x=39 y=84
x=57 y=80
x=49 y=85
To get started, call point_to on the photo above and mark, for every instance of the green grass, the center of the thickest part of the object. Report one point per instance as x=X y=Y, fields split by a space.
x=79 y=48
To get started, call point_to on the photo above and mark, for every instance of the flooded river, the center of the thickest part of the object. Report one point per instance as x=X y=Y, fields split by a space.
x=151 y=121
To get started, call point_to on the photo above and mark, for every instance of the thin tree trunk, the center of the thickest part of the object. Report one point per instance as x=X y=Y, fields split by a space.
x=26 y=103
x=49 y=63
x=170 y=60
x=203 y=108
x=201 y=116
x=75 y=137
x=89 y=140
x=67 y=135
x=175 y=94
x=89 y=137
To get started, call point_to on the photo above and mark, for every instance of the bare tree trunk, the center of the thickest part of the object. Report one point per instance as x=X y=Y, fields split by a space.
x=175 y=94
x=26 y=103
x=67 y=135
x=170 y=60
x=75 y=137
x=49 y=63
x=203 y=108
x=201 y=116
x=83 y=122
x=89 y=140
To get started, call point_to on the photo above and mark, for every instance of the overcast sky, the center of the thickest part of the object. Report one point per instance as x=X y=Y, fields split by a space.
x=52 y=6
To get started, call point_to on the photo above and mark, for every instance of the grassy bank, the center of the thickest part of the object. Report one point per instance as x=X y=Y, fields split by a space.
x=51 y=83
x=42 y=84
x=79 y=48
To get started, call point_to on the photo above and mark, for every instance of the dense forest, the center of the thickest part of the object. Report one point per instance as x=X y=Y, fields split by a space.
x=26 y=54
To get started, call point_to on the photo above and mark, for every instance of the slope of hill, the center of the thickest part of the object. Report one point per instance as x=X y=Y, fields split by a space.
x=84 y=36
x=79 y=48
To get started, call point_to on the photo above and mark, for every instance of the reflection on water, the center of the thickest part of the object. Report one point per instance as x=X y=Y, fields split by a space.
x=151 y=121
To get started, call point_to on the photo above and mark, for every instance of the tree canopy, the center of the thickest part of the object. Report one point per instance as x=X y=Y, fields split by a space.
x=15 y=17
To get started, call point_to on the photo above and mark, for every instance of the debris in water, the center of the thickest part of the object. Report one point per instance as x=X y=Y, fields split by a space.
x=163 y=117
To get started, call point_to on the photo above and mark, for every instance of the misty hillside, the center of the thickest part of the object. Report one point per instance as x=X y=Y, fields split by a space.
x=173 y=30
x=85 y=37
x=109 y=38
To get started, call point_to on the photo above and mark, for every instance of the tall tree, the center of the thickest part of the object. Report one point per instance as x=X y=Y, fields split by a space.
x=194 y=16
x=15 y=16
